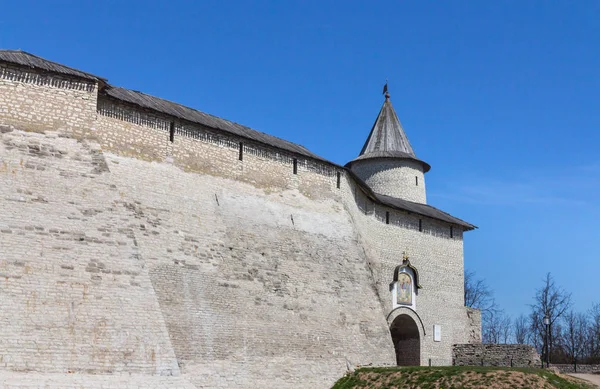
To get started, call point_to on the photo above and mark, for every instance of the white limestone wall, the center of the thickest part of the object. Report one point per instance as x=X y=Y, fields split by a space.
x=115 y=265
x=258 y=276
x=435 y=252
x=259 y=288
x=400 y=178
x=75 y=294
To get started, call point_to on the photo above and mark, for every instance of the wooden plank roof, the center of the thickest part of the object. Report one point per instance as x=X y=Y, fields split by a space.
x=24 y=58
x=409 y=206
x=189 y=114
x=388 y=139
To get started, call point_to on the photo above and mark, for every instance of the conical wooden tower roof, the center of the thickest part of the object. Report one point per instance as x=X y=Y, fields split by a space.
x=387 y=138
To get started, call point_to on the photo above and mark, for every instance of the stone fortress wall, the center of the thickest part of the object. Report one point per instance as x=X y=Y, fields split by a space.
x=147 y=256
x=41 y=100
x=507 y=355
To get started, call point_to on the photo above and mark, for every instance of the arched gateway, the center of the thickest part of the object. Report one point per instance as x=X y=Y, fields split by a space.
x=407 y=342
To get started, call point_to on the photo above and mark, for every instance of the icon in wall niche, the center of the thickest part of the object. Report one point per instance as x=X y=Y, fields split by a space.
x=404 y=289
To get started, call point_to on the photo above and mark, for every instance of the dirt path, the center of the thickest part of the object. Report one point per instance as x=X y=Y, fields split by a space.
x=593 y=378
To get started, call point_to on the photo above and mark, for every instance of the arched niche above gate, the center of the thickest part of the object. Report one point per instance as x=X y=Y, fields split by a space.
x=403 y=269
x=405 y=285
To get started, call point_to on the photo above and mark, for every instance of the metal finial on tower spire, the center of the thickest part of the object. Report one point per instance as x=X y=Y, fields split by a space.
x=385 y=90
x=387 y=138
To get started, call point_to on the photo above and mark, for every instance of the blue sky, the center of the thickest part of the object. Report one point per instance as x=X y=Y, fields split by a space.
x=501 y=98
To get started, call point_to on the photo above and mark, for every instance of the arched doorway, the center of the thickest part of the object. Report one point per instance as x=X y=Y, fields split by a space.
x=407 y=343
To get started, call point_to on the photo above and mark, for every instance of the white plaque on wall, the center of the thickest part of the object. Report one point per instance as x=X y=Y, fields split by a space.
x=437 y=333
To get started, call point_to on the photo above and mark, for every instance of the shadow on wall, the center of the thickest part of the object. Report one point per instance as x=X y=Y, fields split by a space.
x=407 y=343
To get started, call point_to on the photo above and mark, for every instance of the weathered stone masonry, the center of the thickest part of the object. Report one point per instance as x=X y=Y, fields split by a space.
x=508 y=355
x=129 y=131
x=156 y=252
x=37 y=101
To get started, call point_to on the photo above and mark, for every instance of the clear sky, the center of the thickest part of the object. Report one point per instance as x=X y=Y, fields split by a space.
x=501 y=98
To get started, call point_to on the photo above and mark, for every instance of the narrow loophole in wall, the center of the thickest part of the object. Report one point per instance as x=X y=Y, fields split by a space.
x=416 y=180
x=241 y=156
x=172 y=132
x=421 y=225
x=339 y=179
x=387 y=217
x=295 y=166
x=451 y=232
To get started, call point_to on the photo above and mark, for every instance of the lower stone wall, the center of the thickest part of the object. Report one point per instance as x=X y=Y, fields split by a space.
x=514 y=355
x=571 y=368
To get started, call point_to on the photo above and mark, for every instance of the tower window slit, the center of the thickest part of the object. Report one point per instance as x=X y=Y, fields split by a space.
x=387 y=217
x=416 y=180
x=420 y=225
x=295 y=166
x=339 y=178
x=241 y=156
x=451 y=232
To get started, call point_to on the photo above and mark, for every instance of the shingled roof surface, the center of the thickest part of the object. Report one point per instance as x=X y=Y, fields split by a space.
x=387 y=138
x=409 y=206
x=397 y=145
x=24 y=58
x=423 y=209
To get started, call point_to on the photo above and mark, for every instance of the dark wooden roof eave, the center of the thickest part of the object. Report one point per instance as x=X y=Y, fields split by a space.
x=409 y=206
x=390 y=155
x=28 y=60
x=193 y=116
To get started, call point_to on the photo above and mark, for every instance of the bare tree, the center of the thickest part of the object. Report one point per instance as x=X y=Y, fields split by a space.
x=574 y=333
x=593 y=340
x=550 y=301
x=506 y=329
x=490 y=329
x=521 y=329
x=536 y=332
x=478 y=294
x=497 y=328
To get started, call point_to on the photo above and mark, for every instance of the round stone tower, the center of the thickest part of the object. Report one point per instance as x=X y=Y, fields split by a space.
x=387 y=162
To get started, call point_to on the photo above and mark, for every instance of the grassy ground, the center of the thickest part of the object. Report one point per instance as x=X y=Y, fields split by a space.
x=456 y=377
